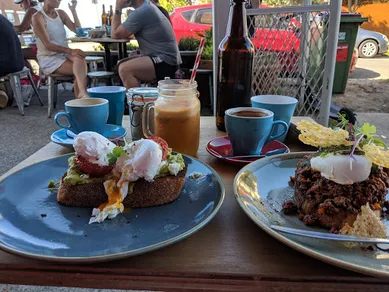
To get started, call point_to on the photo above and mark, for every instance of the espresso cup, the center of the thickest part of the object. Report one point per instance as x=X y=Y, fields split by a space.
x=282 y=106
x=249 y=129
x=87 y=114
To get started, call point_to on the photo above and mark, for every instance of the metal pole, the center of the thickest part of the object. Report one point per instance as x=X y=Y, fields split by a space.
x=304 y=49
x=329 y=66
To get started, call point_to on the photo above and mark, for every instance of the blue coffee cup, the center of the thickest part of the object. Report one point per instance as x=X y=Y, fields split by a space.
x=249 y=129
x=82 y=31
x=86 y=114
x=282 y=106
x=115 y=96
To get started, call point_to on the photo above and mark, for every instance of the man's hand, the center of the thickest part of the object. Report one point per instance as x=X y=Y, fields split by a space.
x=77 y=53
x=120 y=4
x=73 y=6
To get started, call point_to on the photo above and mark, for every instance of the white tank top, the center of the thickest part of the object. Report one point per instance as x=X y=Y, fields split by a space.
x=56 y=32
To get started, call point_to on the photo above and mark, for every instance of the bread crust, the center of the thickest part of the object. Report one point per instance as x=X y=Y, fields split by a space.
x=163 y=190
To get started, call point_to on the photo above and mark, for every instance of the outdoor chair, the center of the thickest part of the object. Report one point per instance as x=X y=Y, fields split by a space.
x=52 y=81
x=94 y=61
x=14 y=80
x=97 y=76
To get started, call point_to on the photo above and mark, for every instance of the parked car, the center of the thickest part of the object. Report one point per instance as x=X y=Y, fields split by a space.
x=190 y=21
x=371 y=43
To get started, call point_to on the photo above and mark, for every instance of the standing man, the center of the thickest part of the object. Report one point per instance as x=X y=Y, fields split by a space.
x=157 y=43
x=163 y=10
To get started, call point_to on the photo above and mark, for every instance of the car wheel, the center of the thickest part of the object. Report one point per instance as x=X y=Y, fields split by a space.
x=368 y=49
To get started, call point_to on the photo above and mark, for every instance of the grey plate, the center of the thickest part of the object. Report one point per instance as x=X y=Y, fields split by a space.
x=34 y=225
x=260 y=189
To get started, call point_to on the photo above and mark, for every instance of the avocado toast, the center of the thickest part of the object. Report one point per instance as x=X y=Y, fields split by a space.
x=108 y=178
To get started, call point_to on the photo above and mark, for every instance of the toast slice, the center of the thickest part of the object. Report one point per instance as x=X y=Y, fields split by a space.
x=163 y=190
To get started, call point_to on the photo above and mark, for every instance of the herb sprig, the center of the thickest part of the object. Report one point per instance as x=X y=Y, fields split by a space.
x=361 y=135
x=114 y=155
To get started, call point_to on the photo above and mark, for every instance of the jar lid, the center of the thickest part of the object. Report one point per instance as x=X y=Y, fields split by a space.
x=148 y=93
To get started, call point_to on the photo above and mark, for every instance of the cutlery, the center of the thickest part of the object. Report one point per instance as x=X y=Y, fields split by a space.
x=328 y=236
x=268 y=153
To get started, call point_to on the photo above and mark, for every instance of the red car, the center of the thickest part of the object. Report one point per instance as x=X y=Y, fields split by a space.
x=189 y=21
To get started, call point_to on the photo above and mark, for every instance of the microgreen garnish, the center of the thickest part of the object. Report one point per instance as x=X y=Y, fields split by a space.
x=114 y=155
x=362 y=135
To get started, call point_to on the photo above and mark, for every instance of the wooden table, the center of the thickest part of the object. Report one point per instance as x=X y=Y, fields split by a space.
x=231 y=253
x=122 y=46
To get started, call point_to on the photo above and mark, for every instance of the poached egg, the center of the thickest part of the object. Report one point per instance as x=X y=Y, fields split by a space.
x=140 y=159
x=93 y=147
x=343 y=169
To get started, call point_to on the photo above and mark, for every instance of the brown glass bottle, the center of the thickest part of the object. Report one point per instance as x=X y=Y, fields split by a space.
x=110 y=14
x=235 y=54
x=104 y=20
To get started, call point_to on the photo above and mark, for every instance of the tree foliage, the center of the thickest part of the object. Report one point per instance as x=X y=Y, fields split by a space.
x=169 y=5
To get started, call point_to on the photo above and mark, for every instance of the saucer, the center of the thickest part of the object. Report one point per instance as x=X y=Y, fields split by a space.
x=221 y=146
x=66 y=137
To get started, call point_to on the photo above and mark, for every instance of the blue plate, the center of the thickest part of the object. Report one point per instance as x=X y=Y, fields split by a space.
x=263 y=186
x=65 y=137
x=34 y=225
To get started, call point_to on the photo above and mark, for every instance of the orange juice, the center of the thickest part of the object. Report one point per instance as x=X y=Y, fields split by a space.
x=178 y=122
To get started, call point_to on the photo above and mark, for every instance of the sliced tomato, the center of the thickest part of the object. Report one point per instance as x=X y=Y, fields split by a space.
x=161 y=142
x=92 y=168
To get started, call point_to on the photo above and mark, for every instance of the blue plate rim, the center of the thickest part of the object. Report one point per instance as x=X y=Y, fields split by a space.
x=288 y=241
x=71 y=144
x=119 y=255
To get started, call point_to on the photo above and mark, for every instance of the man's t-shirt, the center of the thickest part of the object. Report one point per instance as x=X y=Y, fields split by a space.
x=154 y=33
x=11 y=55
x=164 y=11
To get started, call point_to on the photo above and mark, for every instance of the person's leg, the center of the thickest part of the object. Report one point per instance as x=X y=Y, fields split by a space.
x=80 y=72
x=29 y=54
x=66 y=69
x=134 y=71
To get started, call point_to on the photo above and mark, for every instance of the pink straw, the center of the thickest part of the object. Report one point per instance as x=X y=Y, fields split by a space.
x=198 y=58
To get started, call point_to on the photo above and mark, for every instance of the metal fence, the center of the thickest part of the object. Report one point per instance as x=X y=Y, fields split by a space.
x=295 y=54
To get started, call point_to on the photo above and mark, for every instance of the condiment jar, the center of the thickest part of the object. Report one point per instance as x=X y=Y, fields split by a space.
x=137 y=97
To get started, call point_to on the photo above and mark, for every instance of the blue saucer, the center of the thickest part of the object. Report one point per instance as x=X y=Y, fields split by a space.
x=66 y=137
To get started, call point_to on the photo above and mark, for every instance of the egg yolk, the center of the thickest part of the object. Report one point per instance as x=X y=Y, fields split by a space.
x=114 y=196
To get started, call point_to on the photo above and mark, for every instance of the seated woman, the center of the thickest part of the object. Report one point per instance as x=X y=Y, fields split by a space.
x=54 y=55
x=30 y=7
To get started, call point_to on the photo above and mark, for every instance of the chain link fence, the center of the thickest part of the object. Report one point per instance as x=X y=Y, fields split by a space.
x=291 y=55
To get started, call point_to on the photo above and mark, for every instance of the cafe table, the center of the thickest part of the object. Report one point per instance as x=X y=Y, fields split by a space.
x=106 y=41
x=231 y=253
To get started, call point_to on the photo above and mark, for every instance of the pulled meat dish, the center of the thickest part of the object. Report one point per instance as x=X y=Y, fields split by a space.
x=326 y=203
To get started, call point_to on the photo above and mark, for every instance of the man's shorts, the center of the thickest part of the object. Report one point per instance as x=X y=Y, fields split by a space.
x=163 y=69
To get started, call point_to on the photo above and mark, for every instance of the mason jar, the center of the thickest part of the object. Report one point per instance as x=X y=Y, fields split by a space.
x=176 y=115
x=137 y=98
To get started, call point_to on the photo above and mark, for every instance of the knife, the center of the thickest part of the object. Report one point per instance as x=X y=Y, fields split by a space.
x=328 y=236
x=268 y=153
